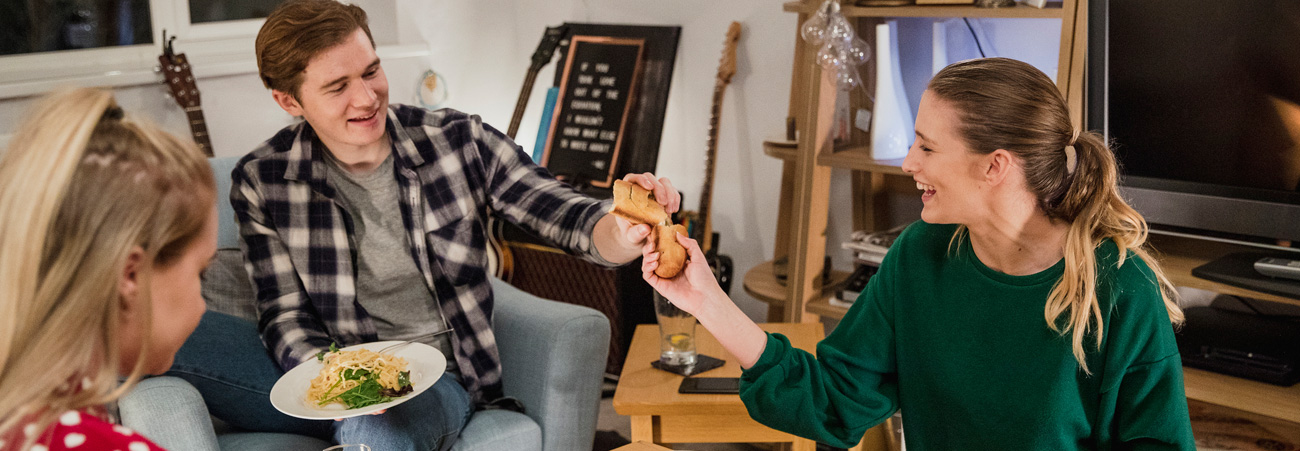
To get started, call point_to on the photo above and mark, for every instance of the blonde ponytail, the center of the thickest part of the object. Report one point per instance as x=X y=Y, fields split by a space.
x=1097 y=212
x=1008 y=104
x=80 y=187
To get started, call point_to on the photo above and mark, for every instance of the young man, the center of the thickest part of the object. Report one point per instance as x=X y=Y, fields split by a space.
x=365 y=221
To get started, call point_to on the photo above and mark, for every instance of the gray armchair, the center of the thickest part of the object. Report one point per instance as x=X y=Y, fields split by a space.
x=552 y=357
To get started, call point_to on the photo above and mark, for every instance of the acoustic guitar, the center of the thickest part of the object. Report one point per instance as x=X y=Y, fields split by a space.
x=180 y=81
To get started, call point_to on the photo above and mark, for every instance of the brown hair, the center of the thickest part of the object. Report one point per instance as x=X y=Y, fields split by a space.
x=82 y=186
x=1008 y=104
x=296 y=32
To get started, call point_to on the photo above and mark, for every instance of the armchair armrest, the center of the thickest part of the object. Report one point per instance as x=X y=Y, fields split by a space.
x=553 y=360
x=170 y=412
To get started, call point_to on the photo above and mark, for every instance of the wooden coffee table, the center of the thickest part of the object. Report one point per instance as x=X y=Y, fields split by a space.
x=661 y=415
x=641 y=446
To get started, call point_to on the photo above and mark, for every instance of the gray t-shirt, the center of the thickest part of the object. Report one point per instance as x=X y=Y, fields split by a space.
x=389 y=284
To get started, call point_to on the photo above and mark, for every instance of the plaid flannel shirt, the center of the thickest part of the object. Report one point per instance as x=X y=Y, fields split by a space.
x=451 y=170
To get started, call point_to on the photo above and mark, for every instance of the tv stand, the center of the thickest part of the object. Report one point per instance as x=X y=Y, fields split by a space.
x=1181 y=256
x=1238 y=269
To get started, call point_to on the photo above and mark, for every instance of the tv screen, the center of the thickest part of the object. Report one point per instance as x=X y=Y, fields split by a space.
x=1202 y=101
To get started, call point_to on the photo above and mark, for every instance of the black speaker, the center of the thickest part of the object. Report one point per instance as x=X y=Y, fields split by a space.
x=1237 y=338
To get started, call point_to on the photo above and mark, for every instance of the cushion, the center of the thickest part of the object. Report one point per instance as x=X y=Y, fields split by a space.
x=227 y=287
x=494 y=430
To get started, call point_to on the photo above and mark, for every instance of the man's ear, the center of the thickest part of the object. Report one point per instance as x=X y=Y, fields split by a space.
x=287 y=102
x=129 y=285
x=999 y=165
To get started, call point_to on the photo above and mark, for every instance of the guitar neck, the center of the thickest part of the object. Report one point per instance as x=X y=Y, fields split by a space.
x=199 y=129
x=710 y=167
x=522 y=103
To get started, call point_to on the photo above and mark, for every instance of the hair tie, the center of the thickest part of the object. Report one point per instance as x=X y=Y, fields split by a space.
x=112 y=113
x=1071 y=155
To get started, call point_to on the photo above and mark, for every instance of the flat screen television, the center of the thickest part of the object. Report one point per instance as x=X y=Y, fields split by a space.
x=1202 y=101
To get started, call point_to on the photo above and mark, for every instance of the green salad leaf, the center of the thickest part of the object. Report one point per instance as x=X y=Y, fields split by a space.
x=366 y=394
x=320 y=356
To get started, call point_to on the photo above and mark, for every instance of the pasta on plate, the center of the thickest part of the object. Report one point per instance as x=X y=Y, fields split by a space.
x=359 y=378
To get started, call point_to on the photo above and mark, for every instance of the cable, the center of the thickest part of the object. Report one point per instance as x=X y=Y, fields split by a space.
x=974 y=37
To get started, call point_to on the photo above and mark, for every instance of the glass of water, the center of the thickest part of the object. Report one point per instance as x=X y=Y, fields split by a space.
x=676 y=334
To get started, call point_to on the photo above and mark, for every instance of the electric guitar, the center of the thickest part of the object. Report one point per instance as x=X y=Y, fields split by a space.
x=703 y=231
x=498 y=250
x=176 y=74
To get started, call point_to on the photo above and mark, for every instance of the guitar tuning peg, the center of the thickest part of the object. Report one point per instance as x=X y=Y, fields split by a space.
x=157 y=69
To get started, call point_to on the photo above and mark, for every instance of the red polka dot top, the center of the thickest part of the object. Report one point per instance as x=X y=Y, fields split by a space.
x=81 y=431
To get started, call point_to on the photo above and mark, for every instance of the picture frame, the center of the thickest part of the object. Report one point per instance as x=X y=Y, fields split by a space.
x=635 y=148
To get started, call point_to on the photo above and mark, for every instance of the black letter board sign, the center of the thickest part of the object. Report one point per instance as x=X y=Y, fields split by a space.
x=597 y=91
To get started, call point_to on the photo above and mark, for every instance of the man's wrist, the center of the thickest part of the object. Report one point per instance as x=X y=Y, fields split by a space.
x=611 y=243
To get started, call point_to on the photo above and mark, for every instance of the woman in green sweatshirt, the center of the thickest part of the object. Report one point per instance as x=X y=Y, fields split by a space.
x=1022 y=312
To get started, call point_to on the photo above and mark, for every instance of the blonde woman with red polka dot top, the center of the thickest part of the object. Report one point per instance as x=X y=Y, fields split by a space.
x=107 y=225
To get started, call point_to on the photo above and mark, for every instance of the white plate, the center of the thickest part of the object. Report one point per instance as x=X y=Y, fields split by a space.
x=289 y=394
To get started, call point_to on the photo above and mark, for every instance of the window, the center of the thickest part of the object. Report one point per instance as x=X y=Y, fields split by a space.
x=48 y=43
x=209 y=11
x=46 y=26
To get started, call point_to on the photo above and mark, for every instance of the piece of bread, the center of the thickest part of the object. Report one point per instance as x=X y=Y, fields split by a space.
x=637 y=204
x=672 y=256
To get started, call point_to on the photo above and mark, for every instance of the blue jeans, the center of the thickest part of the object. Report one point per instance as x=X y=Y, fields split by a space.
x=225 y=360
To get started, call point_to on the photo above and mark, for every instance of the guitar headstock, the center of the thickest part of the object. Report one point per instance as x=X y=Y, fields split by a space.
x=550 y=41
x=176 y=74
x=727 y=67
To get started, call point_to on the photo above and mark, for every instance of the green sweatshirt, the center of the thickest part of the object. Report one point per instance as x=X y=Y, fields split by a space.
x=965 y=352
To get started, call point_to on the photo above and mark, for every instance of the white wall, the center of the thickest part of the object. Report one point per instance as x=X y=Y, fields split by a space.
x=482 y=49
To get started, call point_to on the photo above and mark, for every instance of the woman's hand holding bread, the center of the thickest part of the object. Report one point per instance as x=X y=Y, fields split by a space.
x=637 y=204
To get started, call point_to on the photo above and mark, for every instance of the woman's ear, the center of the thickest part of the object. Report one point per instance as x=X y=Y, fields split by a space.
x=129 y=285
x=999 y=165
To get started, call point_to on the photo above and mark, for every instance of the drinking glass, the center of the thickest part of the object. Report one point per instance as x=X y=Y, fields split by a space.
x=676 y=334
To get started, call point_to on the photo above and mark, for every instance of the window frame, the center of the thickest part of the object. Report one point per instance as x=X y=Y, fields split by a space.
x=219 y=48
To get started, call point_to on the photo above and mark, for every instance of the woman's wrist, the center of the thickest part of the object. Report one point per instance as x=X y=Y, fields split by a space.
x=732 y=327
x=716 y=307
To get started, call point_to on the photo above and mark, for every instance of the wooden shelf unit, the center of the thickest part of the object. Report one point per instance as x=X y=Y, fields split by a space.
x=824 y=307
x=859 y=158
x=781 y=150
x=1258 y=398
x=1178 y=256
x=761 y=283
